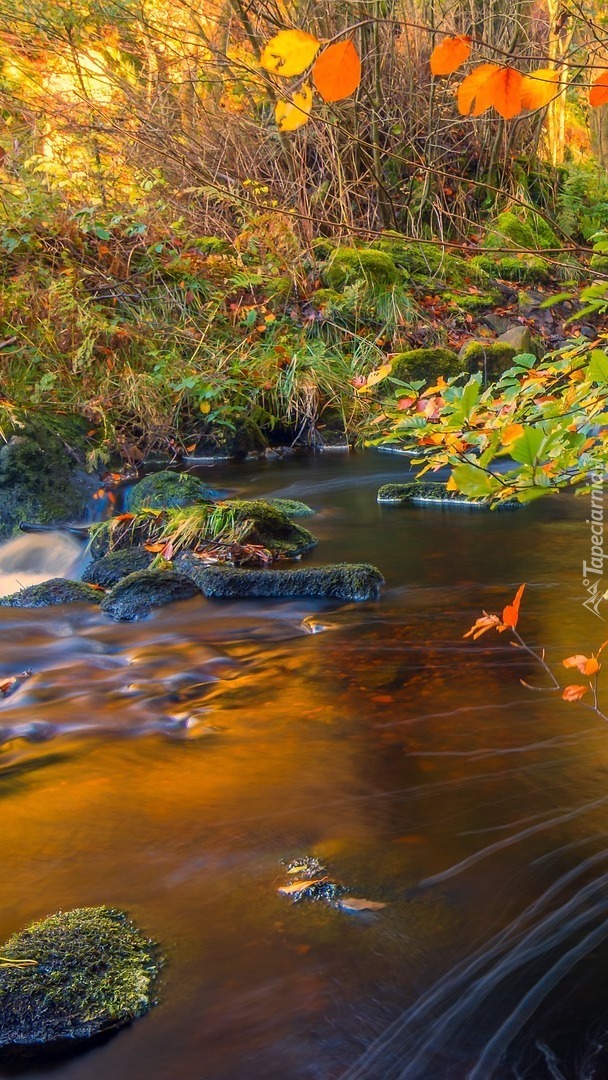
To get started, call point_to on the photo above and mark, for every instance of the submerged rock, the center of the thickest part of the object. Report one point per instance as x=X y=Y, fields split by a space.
x=165 y=489
x=435 y=492
x=54 y=591
x=138 y=594
x=343 y=581
x=90 y=970
x=42 y=475
x=115 y=566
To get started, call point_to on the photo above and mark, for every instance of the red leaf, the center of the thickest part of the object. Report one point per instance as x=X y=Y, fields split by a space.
x=510 y=614
x=450 y=54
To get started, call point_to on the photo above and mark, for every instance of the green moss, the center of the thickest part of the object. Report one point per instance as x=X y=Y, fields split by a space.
x=93 y=971
x=351 y=265
x=472 y=302
x=115 y=566
x=425 y=261
x=138 y=594
x=527 y=269
x=342 y=581
x=212 y=245
x=292 y=507
x=167 y=489
x=53 y=591
x=329 y=298
x=511 y=230
x=425 y=364
x=493 y=359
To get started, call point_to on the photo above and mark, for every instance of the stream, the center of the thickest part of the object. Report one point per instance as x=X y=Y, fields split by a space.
x=173 y=766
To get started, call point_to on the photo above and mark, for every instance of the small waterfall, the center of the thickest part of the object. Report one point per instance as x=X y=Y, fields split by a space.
x=35 y=557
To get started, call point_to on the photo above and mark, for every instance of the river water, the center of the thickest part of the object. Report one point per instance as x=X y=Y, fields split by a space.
x=173 y=766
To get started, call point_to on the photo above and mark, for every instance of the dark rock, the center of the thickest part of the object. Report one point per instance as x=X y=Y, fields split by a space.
x=115 y=566
x=54 y=591
x=93 y=971
x=138 y=594
x=165 y=489
x=435 y=492
x=498 y=323
x=342 y=581
x=42 y=476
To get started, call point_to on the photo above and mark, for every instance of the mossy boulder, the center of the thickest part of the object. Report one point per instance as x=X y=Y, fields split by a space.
x=426 y=364
x=138 y=594
x=423 y=261
x=54 y=591
x=526 y=269
x=433 y=492
x=292 y=507
x=167 y=489
x=92 y=971
x=472 y=303
x=115 y=566
x=42 y=475
x=349 y=266
x=492 y=358
x=342 y=581
x=516 y=230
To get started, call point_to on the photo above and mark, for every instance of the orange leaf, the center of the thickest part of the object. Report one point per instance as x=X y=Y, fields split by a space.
x=510 y=433
x=484 y=623
x=124 y=517
x=504 y=90
x=538 y=88
x=598 y=95
x=450 y=54
x=587 y=665
x=472 y=86
x=574 y=692
x=337 y=72
x=155 y=548
x=510 y=614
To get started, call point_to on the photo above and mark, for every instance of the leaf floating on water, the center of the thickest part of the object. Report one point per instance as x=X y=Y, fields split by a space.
x=7 y=686
x=296 y=887
x=355 y=903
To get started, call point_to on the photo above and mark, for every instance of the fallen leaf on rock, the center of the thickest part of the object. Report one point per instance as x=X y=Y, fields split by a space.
x=300 y=886
x=355 y=903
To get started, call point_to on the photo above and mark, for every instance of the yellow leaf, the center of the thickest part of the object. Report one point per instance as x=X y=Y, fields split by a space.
x=375 y=377
x=450 y=54
x=598 y=95
x=337 y=72
x=205 y=407
x=289 y=53
x=510 y=433
x=472 y=86
x=539 y=88
x=451 y=485
x=291 y=115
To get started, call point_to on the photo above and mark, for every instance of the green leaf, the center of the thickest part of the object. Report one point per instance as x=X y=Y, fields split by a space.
x=475 y=483
x=598 y=366
x=524 y=360
x=526 y=449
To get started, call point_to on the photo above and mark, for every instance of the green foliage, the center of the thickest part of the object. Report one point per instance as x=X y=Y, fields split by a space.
x=582 y=203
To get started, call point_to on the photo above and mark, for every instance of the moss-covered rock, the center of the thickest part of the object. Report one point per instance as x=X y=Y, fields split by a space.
x=526 y=269
x=492 y=357
x=165 y=489
x=433 y=492
x=423 y=261
x=92 y=971
x=342 y=581
x=115 y=566
x=472 y=302
x=54 y=591
x=42 y=477
x=138 y=594
x=426 y=364
x=328 y=299
x=212 y=245
x=351 y=265
x=292 y=507
x=518 y=231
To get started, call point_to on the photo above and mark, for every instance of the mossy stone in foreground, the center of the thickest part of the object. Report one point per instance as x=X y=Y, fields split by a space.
x=493 y=358
x=94 y=971
x=53 y=591
x=138 y=594
x=166 y=489
x=115 y=566
x=351 y=265
x=342 y=581
x=292 y=507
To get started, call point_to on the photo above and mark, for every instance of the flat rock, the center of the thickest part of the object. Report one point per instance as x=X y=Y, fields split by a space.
x=166 y=489
x=74 y=975
x=54 y=591
x=341 y=581
x=435 y=492
x=115 y=566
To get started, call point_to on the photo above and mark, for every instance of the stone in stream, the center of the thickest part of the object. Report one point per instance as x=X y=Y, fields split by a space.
x=164 y=490
x=341 y=581
x=54 y=591
x=115 y=566
x=435 y=493
x=74 y=975
x=138 y=594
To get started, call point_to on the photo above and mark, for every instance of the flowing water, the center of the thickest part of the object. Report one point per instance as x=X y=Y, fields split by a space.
x=173 y=766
